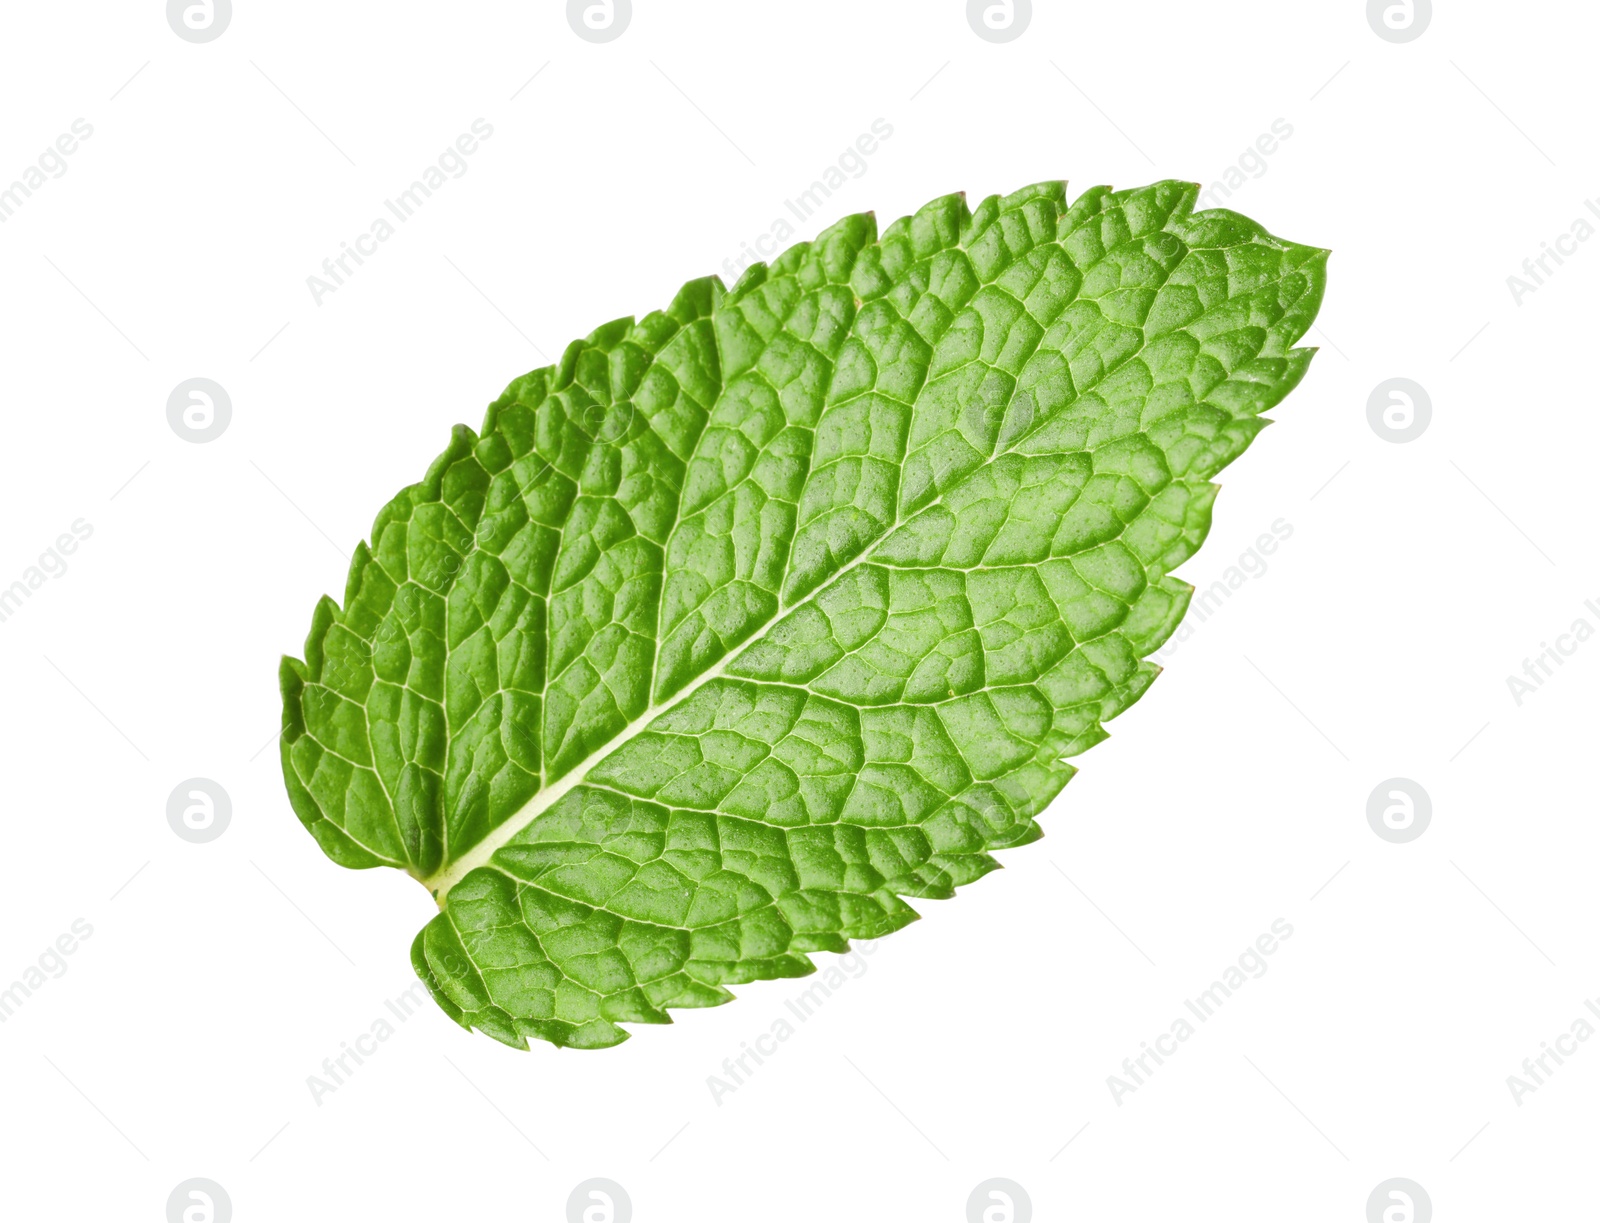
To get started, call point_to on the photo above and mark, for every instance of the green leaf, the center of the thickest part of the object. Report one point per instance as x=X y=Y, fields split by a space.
x=757 y=615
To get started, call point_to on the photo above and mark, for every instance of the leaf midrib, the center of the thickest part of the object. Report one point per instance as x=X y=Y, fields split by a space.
x=479 y=854
x=484 y=850
x=442 y=881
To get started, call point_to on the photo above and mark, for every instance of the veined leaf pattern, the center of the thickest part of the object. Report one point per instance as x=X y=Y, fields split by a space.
x=752 y=618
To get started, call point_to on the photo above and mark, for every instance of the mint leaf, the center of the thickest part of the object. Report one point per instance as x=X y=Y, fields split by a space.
x=757 y=615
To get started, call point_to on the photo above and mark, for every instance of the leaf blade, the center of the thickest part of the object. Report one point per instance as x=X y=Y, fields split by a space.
x=757 y=615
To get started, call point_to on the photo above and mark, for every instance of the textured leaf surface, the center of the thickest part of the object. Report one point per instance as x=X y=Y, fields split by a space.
x=757 y=615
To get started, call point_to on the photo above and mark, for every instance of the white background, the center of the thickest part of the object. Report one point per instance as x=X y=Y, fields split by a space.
x=979 y=1041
